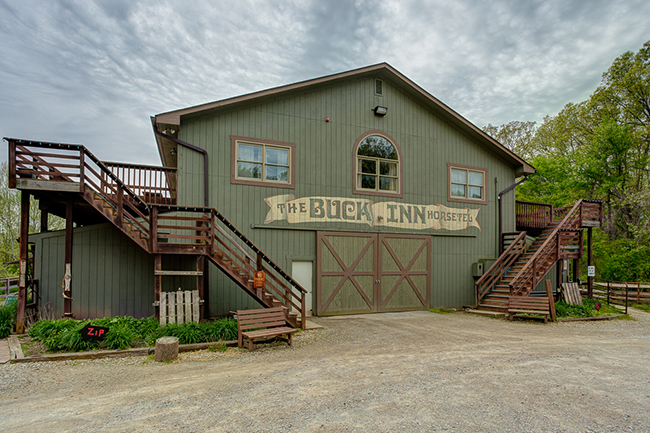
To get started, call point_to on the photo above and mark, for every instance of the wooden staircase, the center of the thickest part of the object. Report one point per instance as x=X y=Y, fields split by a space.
x=53 y=171
x=497 y=298
x=518 y=270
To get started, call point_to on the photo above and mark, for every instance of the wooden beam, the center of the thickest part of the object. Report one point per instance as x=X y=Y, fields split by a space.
x=22 y=279
x=198 y=273
x=48 y=185
x=67 y=276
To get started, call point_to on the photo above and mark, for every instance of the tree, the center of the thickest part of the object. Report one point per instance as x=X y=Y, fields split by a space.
x=516 y=136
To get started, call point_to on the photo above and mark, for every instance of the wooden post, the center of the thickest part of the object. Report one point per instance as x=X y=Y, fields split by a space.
x=576 y=270
x=551 y=300
x=559 y=271
x=157 y=265
x=119 y=217
x=12 y=164
x=67 y=276
x=259 y=262
x=153 y=230
x=44 y=219
x=205 y=308
x=82 y=171
x=590 y=260
x=22 y=279
x=199 y=283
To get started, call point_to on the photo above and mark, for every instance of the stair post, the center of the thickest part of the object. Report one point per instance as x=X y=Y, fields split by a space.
x=22 y=280
x=67 y=277
x=82 y=171
x=153 y=230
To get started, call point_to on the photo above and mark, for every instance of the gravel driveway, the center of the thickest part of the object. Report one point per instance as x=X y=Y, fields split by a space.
x=406 y=372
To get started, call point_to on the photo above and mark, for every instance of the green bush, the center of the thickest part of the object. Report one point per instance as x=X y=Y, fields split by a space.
x=221 y=330
x=125 y=332
x=587 y=309
x=120 y=337
x=70 y=339
x=7 y=318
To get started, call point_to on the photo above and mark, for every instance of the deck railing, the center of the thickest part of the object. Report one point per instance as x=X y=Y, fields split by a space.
x=75 y=169
x=154 y=185
x=533 y=215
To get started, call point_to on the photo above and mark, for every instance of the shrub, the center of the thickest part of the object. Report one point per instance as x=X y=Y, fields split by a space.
x=70 y=339
x=7 y=318
x=222 y=329
x=119 y=337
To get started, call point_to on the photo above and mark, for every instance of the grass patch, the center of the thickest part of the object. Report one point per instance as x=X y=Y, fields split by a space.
x=644 y=307
x=441 y=310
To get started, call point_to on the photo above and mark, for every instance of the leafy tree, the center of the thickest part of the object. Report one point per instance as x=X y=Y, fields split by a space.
x=516 y=136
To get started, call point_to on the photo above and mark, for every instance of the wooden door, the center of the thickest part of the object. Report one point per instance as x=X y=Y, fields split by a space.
x=367 y=273
x=346 y=277
x=403 y=274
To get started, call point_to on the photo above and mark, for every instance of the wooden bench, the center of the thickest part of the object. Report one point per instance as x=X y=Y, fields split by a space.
x=264 y=323
x=529 y=305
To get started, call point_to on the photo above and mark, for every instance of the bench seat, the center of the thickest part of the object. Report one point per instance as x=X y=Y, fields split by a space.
x=262 y=323
x=529 y=305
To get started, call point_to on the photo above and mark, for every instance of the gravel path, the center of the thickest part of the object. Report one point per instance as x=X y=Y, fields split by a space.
x=408 y=372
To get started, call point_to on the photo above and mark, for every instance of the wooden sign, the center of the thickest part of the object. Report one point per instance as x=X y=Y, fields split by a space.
x=94 y=333
x=259 y=280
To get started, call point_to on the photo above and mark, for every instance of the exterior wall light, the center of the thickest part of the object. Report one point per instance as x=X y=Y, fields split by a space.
x=173 y=151
x=380 y=111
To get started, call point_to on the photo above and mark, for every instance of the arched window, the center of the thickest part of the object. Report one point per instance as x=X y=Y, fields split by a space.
x=377 y=165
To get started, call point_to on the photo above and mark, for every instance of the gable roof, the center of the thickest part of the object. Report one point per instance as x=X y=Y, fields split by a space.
x=380 y=70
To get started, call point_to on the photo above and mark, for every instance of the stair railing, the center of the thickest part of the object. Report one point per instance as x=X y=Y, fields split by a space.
x=545 y=257
x=500 y=266
x=178 y=229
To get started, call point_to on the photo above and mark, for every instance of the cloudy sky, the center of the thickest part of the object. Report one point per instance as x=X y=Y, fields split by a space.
x=93 y=72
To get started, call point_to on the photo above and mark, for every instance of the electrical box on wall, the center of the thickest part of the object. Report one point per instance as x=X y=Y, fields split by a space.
x=477 y=269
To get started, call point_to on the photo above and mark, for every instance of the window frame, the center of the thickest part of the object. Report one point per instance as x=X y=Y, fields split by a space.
x=355 y=166
x=467 y=169
x=235 y=140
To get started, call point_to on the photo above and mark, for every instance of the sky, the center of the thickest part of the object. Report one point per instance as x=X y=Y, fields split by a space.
x=93 y=72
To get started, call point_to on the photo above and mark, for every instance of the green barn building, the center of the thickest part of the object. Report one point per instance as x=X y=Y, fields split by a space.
x=357 y=192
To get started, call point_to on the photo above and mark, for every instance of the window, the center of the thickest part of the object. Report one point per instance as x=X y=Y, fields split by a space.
x=467 y=184
x=377 y=168
x=262 y=162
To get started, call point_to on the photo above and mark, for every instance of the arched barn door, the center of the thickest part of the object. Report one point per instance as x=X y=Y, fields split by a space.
x=368 y=273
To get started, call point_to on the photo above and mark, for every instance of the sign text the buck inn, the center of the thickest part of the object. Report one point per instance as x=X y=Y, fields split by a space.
x=362 y=211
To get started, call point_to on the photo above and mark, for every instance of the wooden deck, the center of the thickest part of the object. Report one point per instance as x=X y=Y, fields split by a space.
x=141 y=202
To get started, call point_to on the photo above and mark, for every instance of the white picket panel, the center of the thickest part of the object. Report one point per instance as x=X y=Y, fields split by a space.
x=179 y=307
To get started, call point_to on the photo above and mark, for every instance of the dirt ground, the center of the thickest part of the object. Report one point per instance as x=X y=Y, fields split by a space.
x=408 y=372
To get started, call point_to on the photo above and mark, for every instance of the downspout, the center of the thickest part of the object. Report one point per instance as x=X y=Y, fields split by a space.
x=189 y=146
x=510 y=188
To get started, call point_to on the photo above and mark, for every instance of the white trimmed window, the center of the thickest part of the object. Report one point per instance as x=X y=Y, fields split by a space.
x=377 y=167
x=467 y=184
x=262 y=162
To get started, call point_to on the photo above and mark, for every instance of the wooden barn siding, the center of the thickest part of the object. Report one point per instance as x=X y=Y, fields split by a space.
x=324 y=167
x=111 y=275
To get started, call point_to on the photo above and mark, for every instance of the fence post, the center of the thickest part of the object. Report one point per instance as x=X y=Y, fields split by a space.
x=626 y=291
x=608 y=288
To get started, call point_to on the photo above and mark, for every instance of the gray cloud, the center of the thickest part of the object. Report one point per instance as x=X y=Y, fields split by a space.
x=93 y=72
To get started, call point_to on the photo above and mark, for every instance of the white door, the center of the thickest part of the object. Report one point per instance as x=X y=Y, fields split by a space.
x=302 y=272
